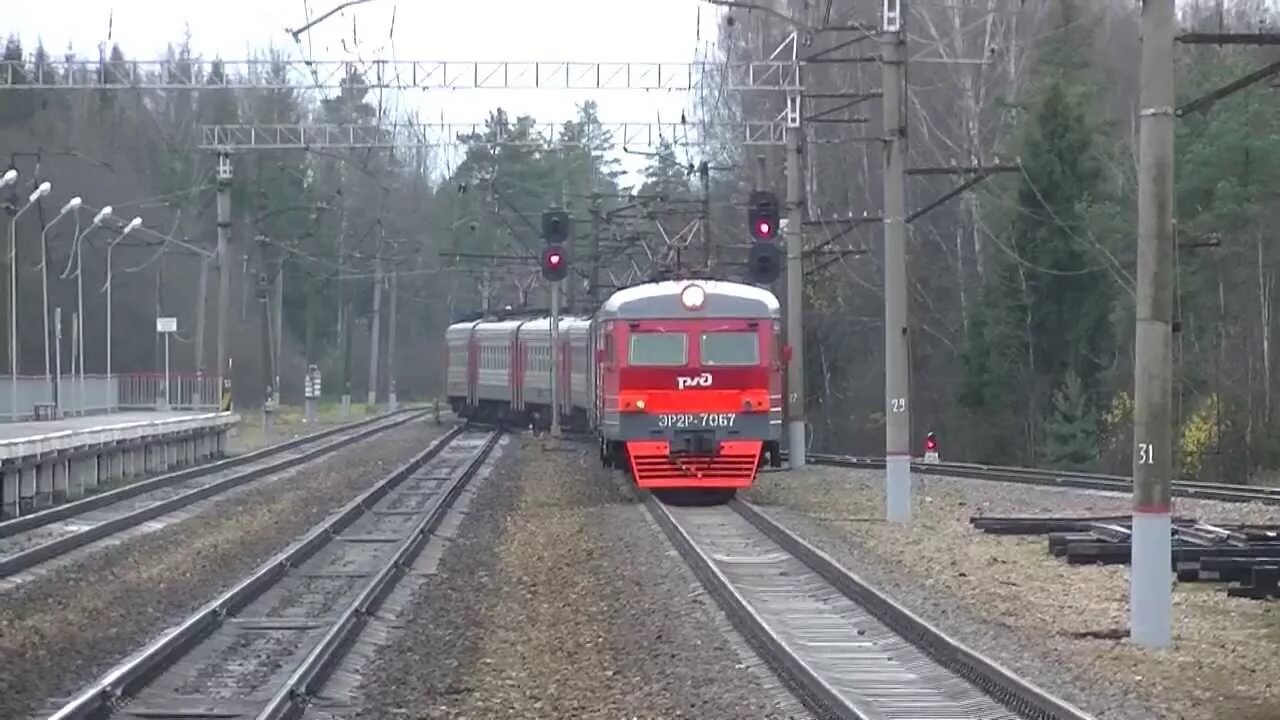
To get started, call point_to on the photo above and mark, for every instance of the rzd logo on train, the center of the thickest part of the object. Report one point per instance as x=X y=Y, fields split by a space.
x=684 y=381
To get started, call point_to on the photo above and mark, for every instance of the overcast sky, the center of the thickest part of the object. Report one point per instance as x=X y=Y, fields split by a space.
x=428 y=30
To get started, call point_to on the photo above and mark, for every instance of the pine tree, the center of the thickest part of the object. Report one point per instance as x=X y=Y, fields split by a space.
x=1071 y=434
x=1048 y=303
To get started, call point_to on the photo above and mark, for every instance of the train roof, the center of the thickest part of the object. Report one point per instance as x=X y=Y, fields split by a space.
x=661 y=299
x=495 y=326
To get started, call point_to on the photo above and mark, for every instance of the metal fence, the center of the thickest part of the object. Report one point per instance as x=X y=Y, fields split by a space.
x=36 y=398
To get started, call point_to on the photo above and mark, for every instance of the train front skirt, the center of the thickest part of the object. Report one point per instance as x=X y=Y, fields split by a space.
x=656 y=464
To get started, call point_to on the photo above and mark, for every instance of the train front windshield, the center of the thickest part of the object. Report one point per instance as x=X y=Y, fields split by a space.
x=715 y=349
x=669 y=349
x=729 y=348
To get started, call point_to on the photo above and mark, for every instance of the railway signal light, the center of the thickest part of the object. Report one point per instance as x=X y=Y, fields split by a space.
x=931 y=453
x=762 y=215
x=764 y=263
x=555 y=263
x=555 y=227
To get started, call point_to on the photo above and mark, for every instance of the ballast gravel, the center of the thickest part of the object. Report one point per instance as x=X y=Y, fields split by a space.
x=62 y=630
x=1050 y=622
x=560 y=599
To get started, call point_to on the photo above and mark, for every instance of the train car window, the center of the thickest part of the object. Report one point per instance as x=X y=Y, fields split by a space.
x=659 y=348
x=730 y=348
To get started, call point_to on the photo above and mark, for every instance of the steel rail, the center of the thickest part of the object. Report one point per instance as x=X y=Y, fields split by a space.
x=42 y=553
x=93 y=502
x=997 y=682
x=307 y=679
x=123 y=682
x=1060 y=478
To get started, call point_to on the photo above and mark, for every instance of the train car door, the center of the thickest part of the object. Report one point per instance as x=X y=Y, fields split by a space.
x=603 y=364
x=517 y=370
x=473 y=367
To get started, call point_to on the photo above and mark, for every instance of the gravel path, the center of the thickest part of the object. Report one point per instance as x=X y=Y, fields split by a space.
x=61 y=631
x=559 y=599
x=1008 y=598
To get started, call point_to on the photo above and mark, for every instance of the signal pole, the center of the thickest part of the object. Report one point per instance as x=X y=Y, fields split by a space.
x=555 y=359
x=795 y=301
x=1151 y=594
x=898 y=424
x=555 y=266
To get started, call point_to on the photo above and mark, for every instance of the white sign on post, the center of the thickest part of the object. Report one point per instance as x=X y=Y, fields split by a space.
x=166 y=326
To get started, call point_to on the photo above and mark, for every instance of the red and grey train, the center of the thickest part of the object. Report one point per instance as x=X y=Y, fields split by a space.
x=680 y=381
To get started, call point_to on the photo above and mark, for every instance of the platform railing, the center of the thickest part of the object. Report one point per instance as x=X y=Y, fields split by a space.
x=102 y=394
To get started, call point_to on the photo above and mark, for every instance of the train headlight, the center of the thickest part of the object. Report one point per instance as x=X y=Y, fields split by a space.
x=639 y=404
x=692 y=297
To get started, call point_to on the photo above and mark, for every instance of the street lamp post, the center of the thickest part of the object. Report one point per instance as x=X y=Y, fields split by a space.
x=98 y=219
x=72 y=204
x=10 y=177
x=13 y=296
x=133 y=225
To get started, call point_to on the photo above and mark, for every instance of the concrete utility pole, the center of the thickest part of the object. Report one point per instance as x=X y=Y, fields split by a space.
x=704 y=175
x=202 y=303
x=277 y=319
x=896 y=376
x=264 y=300
x=594 y=291
x=375 y=333
x=1150 y=606
x=795 y=300
x=224 y=272
x=392 y=401
x=344 y=318
x=310 y=399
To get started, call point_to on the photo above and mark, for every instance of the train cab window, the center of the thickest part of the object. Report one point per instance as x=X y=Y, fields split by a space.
x=659 y=348
x=730 y=348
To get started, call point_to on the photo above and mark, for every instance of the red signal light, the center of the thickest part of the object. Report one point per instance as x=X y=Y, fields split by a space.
x=555 y=263
x=931 y=442
x=763 y=229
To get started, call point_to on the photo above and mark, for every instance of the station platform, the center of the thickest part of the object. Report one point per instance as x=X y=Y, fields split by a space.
x=50 y=461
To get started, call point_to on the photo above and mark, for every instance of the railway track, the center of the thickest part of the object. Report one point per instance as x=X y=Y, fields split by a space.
x=34 y=540
x=262 y=649
x=845 y=649
x=1062 y=478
